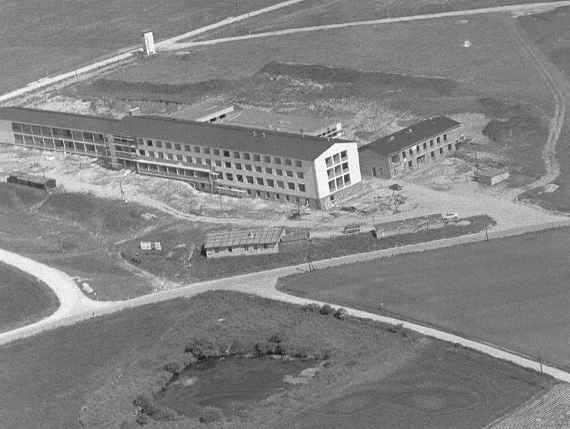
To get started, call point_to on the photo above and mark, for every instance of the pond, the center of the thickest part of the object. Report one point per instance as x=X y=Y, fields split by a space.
x=227 y=383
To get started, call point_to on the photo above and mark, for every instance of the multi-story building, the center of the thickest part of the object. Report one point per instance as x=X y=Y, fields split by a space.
x=410 y=148
x=213 y=157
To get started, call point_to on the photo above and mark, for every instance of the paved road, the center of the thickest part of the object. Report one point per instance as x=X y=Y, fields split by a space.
x=129 y=53
x=458 y=13
x=77 y=307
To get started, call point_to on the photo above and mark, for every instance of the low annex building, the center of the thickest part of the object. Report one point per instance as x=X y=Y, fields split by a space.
x=226 y=159
x=492 y=176
x=410 y=148
x=238 y=243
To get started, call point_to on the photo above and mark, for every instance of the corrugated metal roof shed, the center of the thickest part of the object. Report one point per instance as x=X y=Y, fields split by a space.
x=61 y=119
x=414 y=134
x=229 y=137
x=222 y=239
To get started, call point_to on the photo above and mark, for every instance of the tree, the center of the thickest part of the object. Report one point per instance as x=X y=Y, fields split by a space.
x=396 y=188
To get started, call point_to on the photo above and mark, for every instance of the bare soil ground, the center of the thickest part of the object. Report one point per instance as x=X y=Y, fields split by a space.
x=38 y=38
x=90 y=373
x=511 y=291
x=23 y=299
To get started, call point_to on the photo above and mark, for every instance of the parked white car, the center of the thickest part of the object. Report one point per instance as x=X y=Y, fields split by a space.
x=450 y=217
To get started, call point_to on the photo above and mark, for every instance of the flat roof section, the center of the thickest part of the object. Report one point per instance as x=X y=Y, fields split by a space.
x=262 y=119
x=411 y=135
x=203 y=111
x=223 y=239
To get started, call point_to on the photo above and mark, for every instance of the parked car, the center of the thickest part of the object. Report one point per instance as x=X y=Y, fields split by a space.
x=450 y=217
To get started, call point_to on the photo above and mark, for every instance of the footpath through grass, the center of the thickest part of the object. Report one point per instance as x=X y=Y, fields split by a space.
x=512 y=292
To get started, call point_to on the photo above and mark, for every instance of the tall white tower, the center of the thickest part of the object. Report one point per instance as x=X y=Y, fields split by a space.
x=149 y=48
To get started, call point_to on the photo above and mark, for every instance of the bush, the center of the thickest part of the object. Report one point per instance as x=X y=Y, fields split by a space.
x=326 y=309
x=202 y=349
x=144 y=402
x=211 y=415
x=312 y=307
x=172 y=367
x=340 y=313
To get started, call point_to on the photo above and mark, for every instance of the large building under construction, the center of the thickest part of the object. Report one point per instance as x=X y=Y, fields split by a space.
x=226 y=159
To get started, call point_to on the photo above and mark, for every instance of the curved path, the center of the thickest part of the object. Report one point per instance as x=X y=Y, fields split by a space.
x=456 y=13
x=76 y=307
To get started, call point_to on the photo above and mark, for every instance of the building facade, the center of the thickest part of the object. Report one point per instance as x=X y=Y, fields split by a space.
x=230 y=160
x=411 y=148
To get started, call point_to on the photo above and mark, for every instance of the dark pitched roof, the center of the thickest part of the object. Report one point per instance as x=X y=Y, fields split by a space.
x=60 y=119
x=229 y=137
x=409 y=136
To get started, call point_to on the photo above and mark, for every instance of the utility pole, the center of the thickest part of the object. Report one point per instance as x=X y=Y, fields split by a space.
x=486 y=233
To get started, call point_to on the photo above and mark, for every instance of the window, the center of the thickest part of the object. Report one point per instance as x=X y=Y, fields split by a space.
x=300 y=175
x=445 y=137
x=279 y=172
x=298 y=163
x=238 y=166
x=208 y=162
x=441 y=151
x=160 y=155
x=258 y=169
x=177 y=146
x=345 y=166
x=332 y=187
x=16 y=127
x=288 y=161
x=217 y=152
x=227 y=153
x=256 y=157
x=410 y=163
x=28 y=130
x=218 y=163
x=197 y=149
x=289 y=173
x=149 y=143
x=438 y=140
x=431 y=142
x=268 y=170
x=179 y=158
x=207 y=150
x=198 y=160
x=347 y=179
x=330 y=173
x=249 y=179
x=168 y=145
x=343 y=155
x=239 y=178
x=187 y=148
x=301 y=187
x=236 y=155
x=404 y=155
x=336 y=158
x=266 y=158
x=432 y=154
x=449 y=147
x=259 y=181
x=38 y=130
x=425 y=145
x=291 y=186
x=228 y=164
x=246 y=156
x=337 y=170
x=328 y=161
x=339 y=182
x=170 y=156
x=280 y=184
x=411 y=151
x=158 y=144
x=270 y=183
x=248 y=167
x=277 y=160
x=229 y=176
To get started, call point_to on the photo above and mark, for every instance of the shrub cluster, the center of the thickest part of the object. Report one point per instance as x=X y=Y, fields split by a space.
x=147 y=409
x=340 y=313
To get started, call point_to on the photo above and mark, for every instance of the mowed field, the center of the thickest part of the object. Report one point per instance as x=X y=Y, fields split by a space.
x=41 y=37
x=89 y=374
x=23 y=299
x=511 y=292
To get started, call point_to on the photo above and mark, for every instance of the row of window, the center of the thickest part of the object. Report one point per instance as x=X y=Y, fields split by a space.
x=336 y=158
x=418 y=147
x=226 y=153
x=339 y=183
x=55 y=144
x=251 y=180
x=338 y=170
x=82 y=136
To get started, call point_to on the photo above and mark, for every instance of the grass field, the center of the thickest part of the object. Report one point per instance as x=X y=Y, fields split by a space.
x=40 y=37
x=551 y=33
x=23 y=299
x=88 y=374
x=75 y=232
x=511 y=292
x=172 y=262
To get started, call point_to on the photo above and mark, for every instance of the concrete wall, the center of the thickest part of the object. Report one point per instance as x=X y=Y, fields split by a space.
x=6 y=133
x=320 y=168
